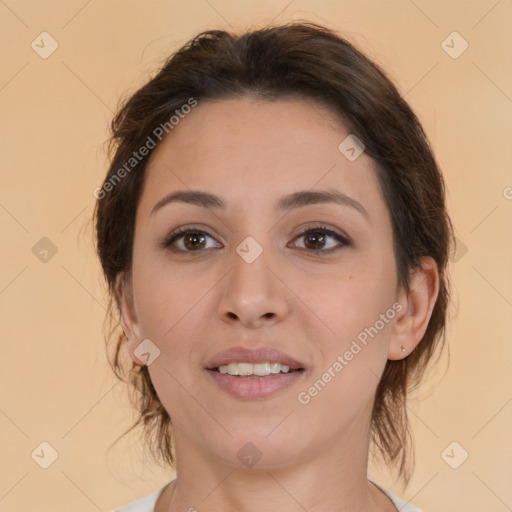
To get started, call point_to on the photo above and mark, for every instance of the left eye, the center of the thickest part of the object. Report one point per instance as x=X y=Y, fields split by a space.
x=317 y=236
x=191 y=240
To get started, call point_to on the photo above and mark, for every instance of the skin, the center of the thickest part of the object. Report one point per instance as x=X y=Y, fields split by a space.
x=191 y=306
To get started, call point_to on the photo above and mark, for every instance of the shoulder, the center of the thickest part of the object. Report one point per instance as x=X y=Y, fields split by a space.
x=146 y=504
x=401 y=505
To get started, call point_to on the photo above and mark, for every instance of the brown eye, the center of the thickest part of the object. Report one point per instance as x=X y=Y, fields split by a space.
x=186 y=240
x=194 y=240
x=316 y=238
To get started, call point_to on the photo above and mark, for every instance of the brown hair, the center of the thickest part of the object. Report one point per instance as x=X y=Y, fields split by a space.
x=308 y=61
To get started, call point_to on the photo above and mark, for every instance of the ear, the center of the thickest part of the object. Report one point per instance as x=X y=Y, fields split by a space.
x=129 y=320
x=417 y=306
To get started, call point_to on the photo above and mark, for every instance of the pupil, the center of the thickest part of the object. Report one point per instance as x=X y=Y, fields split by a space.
x=193 y=237
x=318 y=236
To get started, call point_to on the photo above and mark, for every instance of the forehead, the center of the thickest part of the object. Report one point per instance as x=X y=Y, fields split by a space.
x=253 y=149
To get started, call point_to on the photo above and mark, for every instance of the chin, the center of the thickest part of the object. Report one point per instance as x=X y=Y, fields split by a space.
x=259 y=451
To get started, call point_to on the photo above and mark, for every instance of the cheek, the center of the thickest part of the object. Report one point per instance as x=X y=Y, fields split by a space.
x=351 y=299
x=352 y=361
x=357 y=309
x=163 y=296
x=171 y=315
x=174 y=311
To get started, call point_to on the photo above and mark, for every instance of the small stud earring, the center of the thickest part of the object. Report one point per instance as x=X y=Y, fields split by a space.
x=403 y=349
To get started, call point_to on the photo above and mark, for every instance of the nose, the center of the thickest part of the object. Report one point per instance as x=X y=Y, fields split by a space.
x=254 y=294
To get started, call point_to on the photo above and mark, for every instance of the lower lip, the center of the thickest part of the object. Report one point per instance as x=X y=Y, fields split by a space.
x=254 y=388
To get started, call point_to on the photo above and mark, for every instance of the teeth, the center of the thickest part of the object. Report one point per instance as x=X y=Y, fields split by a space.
x=261 y=369
x=258 y=369
x=275 y=368
x=244 y=368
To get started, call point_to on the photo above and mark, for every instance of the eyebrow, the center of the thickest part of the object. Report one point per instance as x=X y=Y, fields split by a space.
x=289 y=202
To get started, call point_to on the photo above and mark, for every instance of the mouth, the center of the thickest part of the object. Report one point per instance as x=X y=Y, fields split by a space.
x=254 y=370
x=253 y=374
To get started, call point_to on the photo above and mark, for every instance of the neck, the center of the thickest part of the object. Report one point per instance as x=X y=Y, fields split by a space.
x=333 y=478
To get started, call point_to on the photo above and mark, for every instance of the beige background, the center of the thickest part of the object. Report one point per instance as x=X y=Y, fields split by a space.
x=56 y=386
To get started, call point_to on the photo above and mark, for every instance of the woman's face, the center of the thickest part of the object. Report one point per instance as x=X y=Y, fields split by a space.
x=247 y=277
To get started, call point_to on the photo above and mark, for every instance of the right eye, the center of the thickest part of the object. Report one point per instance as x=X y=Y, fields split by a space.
x=186 y=240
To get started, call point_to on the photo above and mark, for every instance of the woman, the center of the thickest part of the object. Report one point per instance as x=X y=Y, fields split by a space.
x=274 y=235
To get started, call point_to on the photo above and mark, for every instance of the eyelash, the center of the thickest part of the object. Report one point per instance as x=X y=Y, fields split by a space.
x=167 y=242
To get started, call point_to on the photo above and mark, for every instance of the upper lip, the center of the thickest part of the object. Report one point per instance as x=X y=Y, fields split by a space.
x=254 y=355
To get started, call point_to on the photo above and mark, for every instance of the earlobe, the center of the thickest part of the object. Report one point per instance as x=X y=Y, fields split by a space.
x=411 y=325
x=128 y=316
